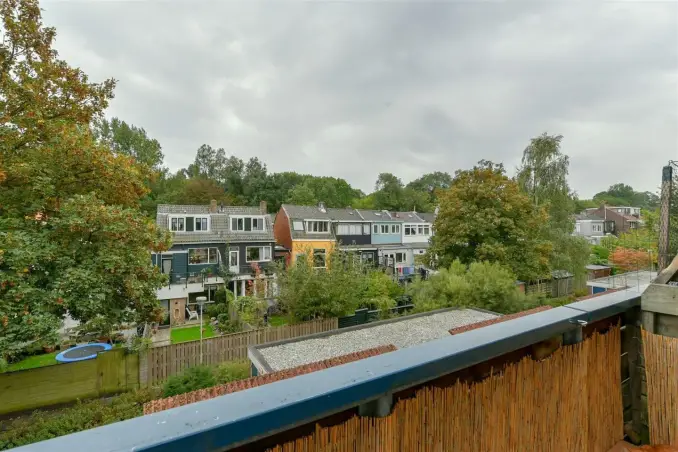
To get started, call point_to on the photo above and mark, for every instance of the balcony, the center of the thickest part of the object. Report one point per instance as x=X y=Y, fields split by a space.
x=488 y=389
x=181 y=285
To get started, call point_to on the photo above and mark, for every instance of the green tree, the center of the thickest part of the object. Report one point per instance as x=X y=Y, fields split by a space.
x=126 y=139
x=388 y=193
x=71 y=235
x=302 y=195
x=484 y=216
x=430 y=184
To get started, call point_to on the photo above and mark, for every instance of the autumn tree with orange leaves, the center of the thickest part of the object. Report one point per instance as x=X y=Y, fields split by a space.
x=628 y=259
x=71 y=236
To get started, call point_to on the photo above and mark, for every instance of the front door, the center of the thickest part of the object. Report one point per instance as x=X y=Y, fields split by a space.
x=167 y=265
x=233 y=261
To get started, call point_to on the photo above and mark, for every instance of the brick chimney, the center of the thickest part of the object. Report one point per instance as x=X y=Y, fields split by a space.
x=213 y=206
x=263 y=208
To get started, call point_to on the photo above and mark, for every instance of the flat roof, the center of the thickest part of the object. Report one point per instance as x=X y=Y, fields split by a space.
x=403 y=333
x=633 y=280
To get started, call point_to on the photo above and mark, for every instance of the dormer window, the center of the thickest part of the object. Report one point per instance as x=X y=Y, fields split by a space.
x=317 y=226
x=248 y=224
x=184 y=223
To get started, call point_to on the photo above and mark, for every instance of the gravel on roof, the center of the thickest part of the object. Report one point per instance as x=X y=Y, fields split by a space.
x=402 y=334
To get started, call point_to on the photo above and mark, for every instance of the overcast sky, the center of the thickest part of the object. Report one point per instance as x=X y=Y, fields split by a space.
x=352 y=89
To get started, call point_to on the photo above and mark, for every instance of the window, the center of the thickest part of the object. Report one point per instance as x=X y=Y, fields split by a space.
x=317 y=226
x=233 y=258
x=203 y=256
x=384 y=229
x=596 y=228
x=319 y=258
x=399 y=258
x=410 y=230
x=578 y=227
x=258 y=253
x=298 y=225
x=427 y=230
x=420 y=230
x=349 y=229
x=366 y=229
x=247 y=224
x=375 y=229
x=201 y=224
x=178 y=225
x=395 y=229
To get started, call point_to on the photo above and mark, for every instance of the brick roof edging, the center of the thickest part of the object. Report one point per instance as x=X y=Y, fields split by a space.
x=155 y=406
x=504 y=318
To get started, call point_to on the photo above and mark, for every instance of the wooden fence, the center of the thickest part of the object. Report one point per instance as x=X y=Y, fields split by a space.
x=160 y=363
x=111 y=372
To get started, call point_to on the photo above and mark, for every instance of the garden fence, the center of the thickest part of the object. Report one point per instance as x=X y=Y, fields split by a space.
x=160 y=363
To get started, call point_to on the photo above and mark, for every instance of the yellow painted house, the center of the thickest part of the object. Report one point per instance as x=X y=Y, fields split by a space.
x=305 y=230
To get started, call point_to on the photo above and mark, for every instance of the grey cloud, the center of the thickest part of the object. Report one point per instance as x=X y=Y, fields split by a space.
x=357 y=88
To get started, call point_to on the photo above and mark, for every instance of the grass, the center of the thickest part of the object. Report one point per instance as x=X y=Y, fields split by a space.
x=47 y=359
x=190 y=333
x=277 y=320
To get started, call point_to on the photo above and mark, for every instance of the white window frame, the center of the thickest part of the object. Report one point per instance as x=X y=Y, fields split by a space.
x=411 y=228
x=366 y=229
x=427 y=229
x=298 y=225
x=197 y=220
x=252 y=218
x=375 y=229
x=237 y=258
x=395 y=229
x=322 y=251
x=262 y=250
x=309 y=228
x=384 y=228
x=577 y=227
x=209 y=255
x=596 y=228
x=177 y=218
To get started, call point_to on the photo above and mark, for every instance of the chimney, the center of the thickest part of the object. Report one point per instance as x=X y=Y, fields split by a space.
x=263 y=208
x=321 y=207
x=213 y=206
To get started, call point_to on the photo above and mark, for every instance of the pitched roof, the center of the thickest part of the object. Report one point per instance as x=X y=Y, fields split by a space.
x=301 y=213
x=155 y=406
x=219 y=224
x=381 y=216
x=408 y=217
x=427 y=217
x=347 y=214
x=504 y=318
x=588 y=216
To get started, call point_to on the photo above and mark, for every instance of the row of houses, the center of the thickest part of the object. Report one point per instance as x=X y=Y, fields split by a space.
x=247 y=240
x=596 y=223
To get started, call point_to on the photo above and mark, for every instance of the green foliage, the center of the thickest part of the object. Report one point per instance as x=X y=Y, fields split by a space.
x=624 y=195
x=251 y=310
x=123 y=138
x=201 y=377
x=44 y=425
x=482 y=285
x=484 y=216
x=307 y=293
x=193 y=378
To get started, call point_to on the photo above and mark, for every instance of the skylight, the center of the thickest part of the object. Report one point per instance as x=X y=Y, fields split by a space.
x=298 y=225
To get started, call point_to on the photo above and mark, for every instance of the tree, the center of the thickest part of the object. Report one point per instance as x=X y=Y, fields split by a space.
x=480 y=285
x=629 y=260
x=430 y=184
x=202 y=191
x=484 y=216
x=71 y=235
x=209 y=162
x=129 y=140
x=302 y=195
x=543 y=177
x=388 y=193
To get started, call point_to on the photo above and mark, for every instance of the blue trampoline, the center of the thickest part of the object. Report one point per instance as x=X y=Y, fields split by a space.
x=82 y=352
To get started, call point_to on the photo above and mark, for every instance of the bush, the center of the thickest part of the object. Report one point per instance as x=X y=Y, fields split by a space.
x=45 y=425
x=233 y=371
x=198 y=377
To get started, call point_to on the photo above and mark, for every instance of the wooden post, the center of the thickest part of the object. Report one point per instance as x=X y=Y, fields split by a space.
x=636 y=424
x=665 y=218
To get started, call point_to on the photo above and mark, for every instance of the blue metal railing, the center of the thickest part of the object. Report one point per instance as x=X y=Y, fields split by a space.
x=239 y=418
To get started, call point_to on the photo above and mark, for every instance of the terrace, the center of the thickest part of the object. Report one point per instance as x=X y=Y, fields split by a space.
x=499 y=387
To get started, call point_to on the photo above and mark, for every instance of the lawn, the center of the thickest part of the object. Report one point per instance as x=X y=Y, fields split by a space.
x=34 y=361
x=190 y=333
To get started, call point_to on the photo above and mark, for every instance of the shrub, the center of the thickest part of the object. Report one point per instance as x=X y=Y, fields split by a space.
x=232 y=371
x=198 y=377
x=45 y=425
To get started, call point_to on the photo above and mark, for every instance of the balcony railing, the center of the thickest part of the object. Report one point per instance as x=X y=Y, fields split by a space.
x=238 y=419
x=184 y=279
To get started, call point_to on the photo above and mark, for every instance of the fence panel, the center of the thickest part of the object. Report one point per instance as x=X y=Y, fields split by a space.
x=163 y=362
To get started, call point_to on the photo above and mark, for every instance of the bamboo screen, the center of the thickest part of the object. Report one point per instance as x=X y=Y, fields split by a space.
x=568 y=402
x=661 y=370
